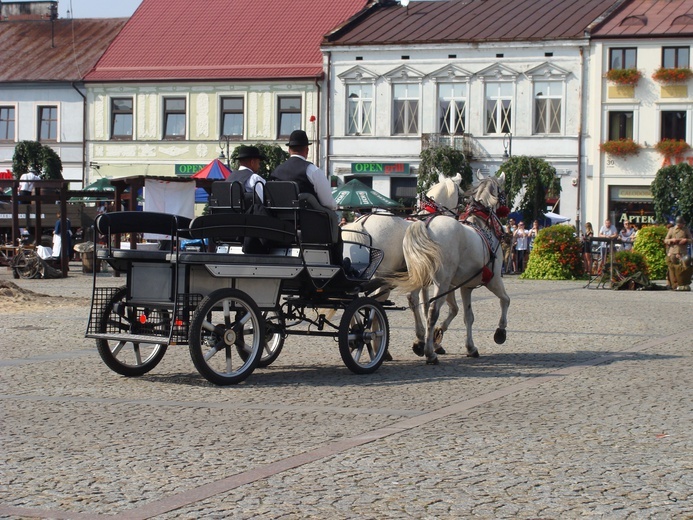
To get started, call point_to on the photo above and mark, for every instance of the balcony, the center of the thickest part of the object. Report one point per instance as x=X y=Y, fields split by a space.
x=464 y=143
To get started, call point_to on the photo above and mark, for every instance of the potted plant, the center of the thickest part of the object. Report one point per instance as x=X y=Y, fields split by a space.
x=672 y=75
x=672 y=147
x=620 y=147
x=624 y=76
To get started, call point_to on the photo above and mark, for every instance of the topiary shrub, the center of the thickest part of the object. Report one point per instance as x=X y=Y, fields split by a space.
x=630 y=262
x=649 y=242
x=557 y=255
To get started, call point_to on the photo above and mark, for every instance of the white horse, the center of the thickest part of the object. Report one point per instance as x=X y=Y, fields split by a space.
x=448 y=255
x=387 y=234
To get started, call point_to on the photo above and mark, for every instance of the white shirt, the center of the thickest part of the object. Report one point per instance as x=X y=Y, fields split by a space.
x=320 y=184
x=27 y=185
x=254 y=182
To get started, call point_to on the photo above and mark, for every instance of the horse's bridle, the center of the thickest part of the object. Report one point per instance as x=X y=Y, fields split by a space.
x=430 y=205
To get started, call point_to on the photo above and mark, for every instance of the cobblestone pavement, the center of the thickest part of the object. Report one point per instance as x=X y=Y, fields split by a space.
x=584 y=412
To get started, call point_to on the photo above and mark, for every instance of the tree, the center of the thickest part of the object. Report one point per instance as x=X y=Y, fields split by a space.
x=273 y=155
x=672 y=191
x=445 y=160
x=537 y=177
x=33 y=155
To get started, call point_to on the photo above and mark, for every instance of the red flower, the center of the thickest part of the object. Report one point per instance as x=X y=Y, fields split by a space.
x=312 y=119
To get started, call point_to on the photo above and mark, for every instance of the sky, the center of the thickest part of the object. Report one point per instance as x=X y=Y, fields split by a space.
x=97 y=8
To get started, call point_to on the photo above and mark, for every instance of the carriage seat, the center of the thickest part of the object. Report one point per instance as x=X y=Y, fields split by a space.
x=229 y=197
x=235 y=226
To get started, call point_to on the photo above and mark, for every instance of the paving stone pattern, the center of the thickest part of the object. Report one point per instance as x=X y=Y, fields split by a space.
x=585 y=412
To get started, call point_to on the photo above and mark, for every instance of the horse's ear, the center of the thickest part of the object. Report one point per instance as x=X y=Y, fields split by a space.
x=501 y=178
x=441 y=177
x=457 y=179
x=479 y=175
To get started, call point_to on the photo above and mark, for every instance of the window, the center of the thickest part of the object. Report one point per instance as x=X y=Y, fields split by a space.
x=676 y=57
x=452 y=108
x=620 y=125
x=48 y=123
x=499 y=108
x=359 y=109
x=674 y=124
x=622 y=58
x=289 y=116
x=405 y=109
x=232 y=116
x=121 y=118
x=7 y=119
x=174 y=118
x=548 y=102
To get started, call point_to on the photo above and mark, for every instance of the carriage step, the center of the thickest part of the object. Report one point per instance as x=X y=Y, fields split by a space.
x=134 y=338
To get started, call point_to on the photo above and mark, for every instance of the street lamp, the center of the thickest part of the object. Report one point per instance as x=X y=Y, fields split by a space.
x=224 y=142
x=508 y=145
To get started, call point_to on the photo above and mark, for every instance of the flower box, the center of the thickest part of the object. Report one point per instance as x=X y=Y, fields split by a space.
x=624 y=76
x=620 y=148
x=672 y=147
x=672 y=75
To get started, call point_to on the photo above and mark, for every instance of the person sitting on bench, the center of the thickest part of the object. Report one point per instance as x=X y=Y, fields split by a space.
x=249 y=158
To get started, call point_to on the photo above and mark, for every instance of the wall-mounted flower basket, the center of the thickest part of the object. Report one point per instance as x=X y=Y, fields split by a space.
x=620 y=148
x=624 y=76
x=672 y=147
x=673 y=75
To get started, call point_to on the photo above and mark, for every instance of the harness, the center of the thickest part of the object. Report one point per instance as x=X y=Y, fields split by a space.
x=493 y=224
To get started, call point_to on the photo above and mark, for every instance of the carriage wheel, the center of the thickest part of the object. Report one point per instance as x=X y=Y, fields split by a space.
x=274 y=339
x=26 y=264
x=226 y=321
x=127 y=358
x=364 y=334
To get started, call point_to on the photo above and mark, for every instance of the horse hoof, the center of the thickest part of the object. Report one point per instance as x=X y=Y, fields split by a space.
x=418 y=348
x=387 y=356
x=438 y=335
x=499 y=336
x=439 y=350
x=473 y=353
x=433 y=361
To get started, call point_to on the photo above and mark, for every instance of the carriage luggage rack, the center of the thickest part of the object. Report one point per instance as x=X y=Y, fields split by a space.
x=127 y=322
x=186 y=305
x=377 y=256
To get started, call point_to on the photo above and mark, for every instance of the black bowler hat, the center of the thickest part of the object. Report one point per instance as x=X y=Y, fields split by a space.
x=298 y=138
x=249 y=152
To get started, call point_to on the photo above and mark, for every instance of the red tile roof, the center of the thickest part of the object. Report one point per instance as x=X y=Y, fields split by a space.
x=223 y=39
x=29 y=53
x=650 y=18
x=452 y=21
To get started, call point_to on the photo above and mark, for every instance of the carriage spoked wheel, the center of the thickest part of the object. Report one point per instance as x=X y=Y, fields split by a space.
x=226 y=322
x=364 y=335
x=26 y=264
x=129 y=358
x=274 y=339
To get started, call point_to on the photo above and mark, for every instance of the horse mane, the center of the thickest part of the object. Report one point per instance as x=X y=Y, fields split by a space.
x=486 y=192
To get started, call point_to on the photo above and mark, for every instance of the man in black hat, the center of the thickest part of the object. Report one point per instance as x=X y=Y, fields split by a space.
x=249 y=158
x=297 y=168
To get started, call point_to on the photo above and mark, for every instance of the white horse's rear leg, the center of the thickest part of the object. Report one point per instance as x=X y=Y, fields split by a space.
x=439 y=332
x=498 y=288
x=466 y=295
x=432 y=317
x=414 y=300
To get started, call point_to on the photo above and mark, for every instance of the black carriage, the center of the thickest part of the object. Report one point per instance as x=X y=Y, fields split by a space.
x=259 y=277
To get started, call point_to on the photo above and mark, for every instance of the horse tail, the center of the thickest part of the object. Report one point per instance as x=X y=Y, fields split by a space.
x=423 y=258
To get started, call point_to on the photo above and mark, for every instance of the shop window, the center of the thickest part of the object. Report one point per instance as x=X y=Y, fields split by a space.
x=288 y=116
x=121 y=118
x=405 y=109
x=623 y=58
x=7 y=123
x=232 y=116
x=676 y=57
x=174 y=118
x=48 y=123
x=674 y=124
x=620 y=125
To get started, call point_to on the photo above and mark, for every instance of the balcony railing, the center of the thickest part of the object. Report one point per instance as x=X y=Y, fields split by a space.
x=464 y=142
